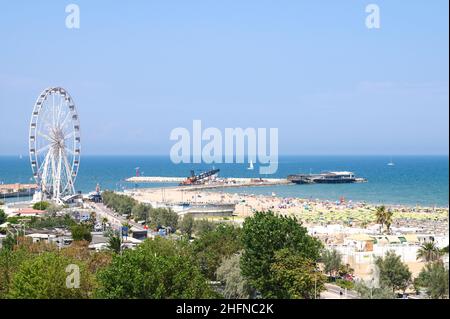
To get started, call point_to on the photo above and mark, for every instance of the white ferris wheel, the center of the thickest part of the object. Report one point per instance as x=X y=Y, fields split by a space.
x=54 y=143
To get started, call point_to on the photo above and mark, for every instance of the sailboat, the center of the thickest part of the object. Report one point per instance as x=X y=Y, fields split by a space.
x=391 y=163
x=250 y=167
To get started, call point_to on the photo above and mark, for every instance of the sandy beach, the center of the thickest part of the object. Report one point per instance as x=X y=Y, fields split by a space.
x=310 y=212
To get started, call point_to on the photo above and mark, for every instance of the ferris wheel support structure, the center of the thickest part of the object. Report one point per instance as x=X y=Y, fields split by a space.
x=55 y=143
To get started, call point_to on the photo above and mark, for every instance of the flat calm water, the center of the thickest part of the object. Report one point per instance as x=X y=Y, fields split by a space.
x=414 y=180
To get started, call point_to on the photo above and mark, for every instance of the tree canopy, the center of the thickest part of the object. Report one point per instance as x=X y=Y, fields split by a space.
x=45 y=277
x=434 y=278
x=297 y=275
x=384 y=217
x=187 y=226
x=263 y=235
x=229 y=273
x=10 y=261
x=157 y=269
x=81 y=232
x=163 y=217
x=3 y=216
x=366 y=292
x=393 y=273
x=41 y=205
x=429 y=252
x=332 y=261
x=215 y=245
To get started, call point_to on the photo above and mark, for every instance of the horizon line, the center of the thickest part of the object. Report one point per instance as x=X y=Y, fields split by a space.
x=245 y=155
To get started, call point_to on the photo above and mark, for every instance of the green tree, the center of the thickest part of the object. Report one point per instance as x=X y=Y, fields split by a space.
x=263 y=235
x=393 y=273
x=50 y=222
x=202 y=226
x=44 y=277
x=121 y=204
x=187 y=225
x=366 y=292
x=297 y=275
x=434 y=278
x=428 y=252
x=9 y=242
x=141 y=212
x=383 y=216
x=213 y=246
x=41 y=205
x=332 y=261
x=10 y=262
x=114 y=242
x=235 y=285
x=104 y=222
x=388 y=220
x=379 y=215
x=81 y=232
x=163 y=217
x=157 y=269
x=3 y=216
x=345 y=270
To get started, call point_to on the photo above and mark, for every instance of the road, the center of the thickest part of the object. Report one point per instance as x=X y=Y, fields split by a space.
x=114 y=219
x=333 y=292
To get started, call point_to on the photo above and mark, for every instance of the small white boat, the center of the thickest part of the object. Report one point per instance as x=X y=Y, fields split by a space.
x=391 y=163
x=250 y=167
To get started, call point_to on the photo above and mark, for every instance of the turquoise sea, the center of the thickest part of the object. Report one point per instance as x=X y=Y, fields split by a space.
x=414 y=180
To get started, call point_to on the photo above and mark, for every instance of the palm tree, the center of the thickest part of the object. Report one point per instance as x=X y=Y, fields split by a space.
x=428 y=252
x=380 y=215
x=388 y=219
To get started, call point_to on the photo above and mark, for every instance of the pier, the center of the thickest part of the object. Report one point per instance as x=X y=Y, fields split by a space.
x=17 y=190
x=218 y=183
x=155 y=179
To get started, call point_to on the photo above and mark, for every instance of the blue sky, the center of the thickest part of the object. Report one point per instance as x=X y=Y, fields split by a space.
x=312 y=69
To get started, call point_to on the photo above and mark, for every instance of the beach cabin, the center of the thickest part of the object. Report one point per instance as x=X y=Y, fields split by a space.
x=360 y=242
x=36 y=237
x=411 y=239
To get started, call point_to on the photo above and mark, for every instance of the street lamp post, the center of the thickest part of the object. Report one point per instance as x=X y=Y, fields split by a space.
x=371 y=288
x=315 y=286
